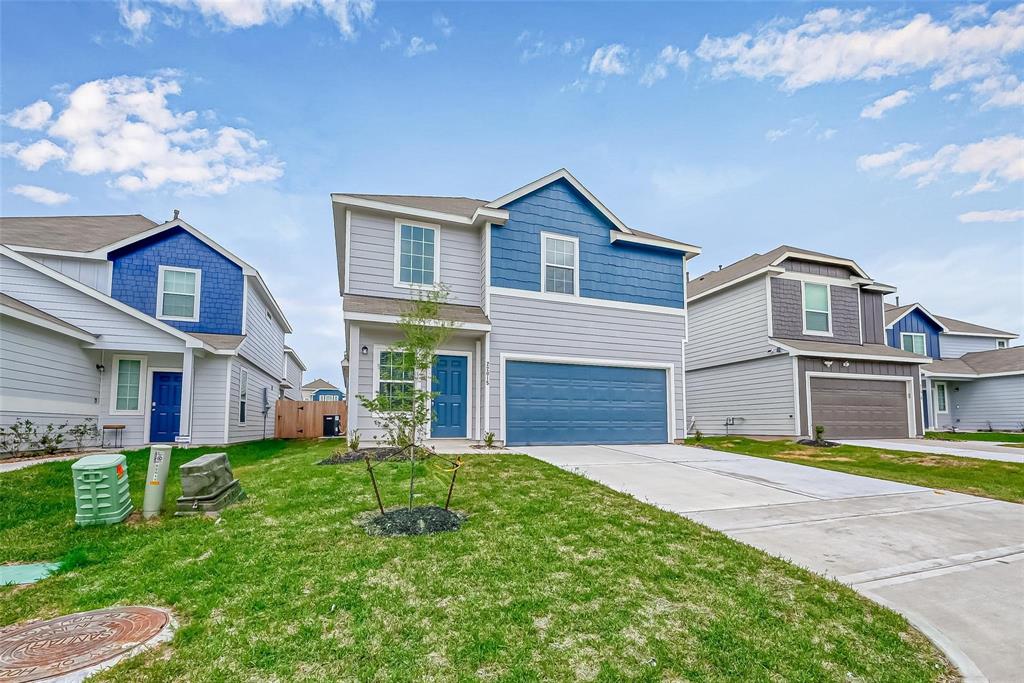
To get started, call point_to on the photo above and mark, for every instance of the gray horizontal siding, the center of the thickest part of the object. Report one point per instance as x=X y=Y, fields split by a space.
x=728 y=326
x=209 y=392
x=293 y=373
x=256 y=426
x=757 y=393
x=990 y=402
x=956 y=345
x=264 y=337
x=788 y=312
x=372 y=262
x=553 y=328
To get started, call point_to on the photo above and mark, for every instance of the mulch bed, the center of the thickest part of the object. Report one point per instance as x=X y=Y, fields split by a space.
x=818 y=444
x=376 y=453
x=426 y=519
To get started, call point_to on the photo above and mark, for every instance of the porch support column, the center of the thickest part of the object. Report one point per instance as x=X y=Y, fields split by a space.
x=352 y=400
x=185 y=426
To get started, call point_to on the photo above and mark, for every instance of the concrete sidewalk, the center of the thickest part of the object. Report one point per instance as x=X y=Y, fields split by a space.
x=952 y=564
x=965 y=449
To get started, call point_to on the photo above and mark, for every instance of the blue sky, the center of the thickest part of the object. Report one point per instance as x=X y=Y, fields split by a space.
x=888 y=133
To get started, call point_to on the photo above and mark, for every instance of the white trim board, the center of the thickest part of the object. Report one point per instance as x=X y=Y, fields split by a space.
x=768 y=270
x=586 y=301
x=46 y=324
x=354 y=316
x=851 y=356
x=911 y=399
x=816 y=258
x=483 y=213
x=690 y=250
x=915 y=307
x=578 y=360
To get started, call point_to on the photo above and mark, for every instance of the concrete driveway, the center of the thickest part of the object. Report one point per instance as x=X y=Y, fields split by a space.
x=952 y=564
x=965 y=449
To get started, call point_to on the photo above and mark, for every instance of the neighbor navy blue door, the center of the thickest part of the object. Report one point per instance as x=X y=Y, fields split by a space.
x=450 y=384
x=166 y=410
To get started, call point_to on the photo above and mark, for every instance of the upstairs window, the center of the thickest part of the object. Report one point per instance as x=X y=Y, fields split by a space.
x=178 y=293
x=913 y=342
x=417 y=252
x=817 y=315
x=559 y=259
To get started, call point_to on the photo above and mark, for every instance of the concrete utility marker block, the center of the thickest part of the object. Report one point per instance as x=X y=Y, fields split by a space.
x=207 y=485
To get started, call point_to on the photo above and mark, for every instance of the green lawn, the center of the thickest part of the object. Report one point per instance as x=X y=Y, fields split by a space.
x=553 y=577
x=1003 y=437
x=988 y=478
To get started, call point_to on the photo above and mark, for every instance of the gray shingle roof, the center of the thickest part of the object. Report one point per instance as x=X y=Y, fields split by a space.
x=460 y=206
x=19 y=305
x=70 y=233
x=357 y=303
x=833 y=348
x=743 y=267
x=981 y=363
x=952 y=324
x=318 y=383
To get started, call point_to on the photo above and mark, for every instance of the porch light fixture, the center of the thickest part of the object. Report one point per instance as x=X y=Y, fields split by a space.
x=100 y=367
x=846 y=363
x=365 y=350
x=827 y=363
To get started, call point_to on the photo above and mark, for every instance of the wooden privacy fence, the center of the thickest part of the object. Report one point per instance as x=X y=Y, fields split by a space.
x=305 y=419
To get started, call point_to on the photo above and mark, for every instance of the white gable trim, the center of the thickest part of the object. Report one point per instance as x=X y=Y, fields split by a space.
x=920 y=360
x=917 y=307
x=483 y=214
x=767 y=270
x=821 y=259
x=560 y=174
x=190 y=341
x=690 y=250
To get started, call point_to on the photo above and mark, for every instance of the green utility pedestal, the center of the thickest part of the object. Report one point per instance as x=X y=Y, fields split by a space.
x=101 y=489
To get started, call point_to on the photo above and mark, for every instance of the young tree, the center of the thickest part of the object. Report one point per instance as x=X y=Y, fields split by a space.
x=402 y=407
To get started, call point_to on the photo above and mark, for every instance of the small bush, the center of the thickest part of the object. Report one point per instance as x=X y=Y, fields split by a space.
x=51 y=440
x=489 y=439
x=353 y=443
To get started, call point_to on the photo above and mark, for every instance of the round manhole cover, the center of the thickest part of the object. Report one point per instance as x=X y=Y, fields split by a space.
x=61 y=646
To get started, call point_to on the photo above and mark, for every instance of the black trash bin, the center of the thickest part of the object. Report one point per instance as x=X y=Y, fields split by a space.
x=332 y=425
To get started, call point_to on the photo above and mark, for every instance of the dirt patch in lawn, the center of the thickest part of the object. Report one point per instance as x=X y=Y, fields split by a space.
x=804 y=455
x=425 y=519
x=930 y=460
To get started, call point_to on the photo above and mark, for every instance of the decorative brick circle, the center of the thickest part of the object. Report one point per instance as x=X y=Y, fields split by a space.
x=73 y=642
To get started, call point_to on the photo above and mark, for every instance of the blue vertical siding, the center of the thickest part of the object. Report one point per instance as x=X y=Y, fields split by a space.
x=136 y=269
x=616 y=271
x=915 y=321
x=335 y=394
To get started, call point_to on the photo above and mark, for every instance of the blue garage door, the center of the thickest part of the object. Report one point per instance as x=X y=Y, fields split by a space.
x=560 y=403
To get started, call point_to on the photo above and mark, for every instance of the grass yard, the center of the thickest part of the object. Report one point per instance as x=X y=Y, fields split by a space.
x=988 y=478
x=552 y=577
x=998 y=437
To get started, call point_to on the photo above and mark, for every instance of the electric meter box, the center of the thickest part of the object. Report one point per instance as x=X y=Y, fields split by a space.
x=101 y=489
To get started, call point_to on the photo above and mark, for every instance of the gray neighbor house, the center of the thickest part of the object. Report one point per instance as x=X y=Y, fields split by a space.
x=782 y=342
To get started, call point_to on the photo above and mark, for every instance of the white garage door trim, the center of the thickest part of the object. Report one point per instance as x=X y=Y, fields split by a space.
x=911 y=400
x=670 y=401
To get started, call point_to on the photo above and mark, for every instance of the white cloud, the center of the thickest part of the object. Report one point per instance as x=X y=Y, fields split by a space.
x=41 y=195
x=32 y=117
x=687 y=184
x=827 y=134
x=536 y=45
x=123 y=126
x=609 y=60
x=839 y=45
x=135 y=18
x=869 y=162
x=992 y=216
x=1000 y=91
x=776 y=134
x=669 y=57
x=992 y=160
x=241 y=14
x=443 y=24
x=419 y=46
x=877 y=109
x=394 y=39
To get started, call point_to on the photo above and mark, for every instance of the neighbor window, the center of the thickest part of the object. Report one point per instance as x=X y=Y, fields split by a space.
x=1000 y=343
x=913 y=342
x=940 y=398
x=816 y=308
x=417 y=253
x=395 y=378
x=178 y=293
x=128 y=384
x=243 y=394
x=560 y=267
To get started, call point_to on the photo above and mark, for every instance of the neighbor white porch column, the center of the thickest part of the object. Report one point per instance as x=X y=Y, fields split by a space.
x=185 y=425
x=352 y=389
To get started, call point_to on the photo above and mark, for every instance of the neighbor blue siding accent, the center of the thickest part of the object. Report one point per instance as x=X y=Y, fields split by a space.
x=563 y=403
x=222 y=287
x=915 y=321
x=335 y=394
x=616 y=271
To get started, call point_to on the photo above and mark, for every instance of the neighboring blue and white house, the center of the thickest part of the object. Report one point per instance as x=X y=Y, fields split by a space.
x=154 y=327
x=321 y=390
x=977 y=381
x=571 y=325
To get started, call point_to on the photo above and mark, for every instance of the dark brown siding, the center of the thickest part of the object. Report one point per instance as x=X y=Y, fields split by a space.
x=787 y=313
x=871 y=317
x=824 y=269
x=857 y=367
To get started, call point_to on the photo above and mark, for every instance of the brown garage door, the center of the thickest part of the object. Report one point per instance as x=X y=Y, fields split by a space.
x=859 y=408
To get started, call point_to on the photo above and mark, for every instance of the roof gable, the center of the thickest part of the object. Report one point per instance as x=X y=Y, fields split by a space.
x=75 y=234
x=894 y=315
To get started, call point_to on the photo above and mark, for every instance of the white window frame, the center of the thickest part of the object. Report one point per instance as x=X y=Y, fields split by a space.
x=544 y=237
x=377 y=350
x=398 y=254
x=924 y=341
x=243 y=395
x=945 y=397
x=1001 y=344
x=160 y=293
x=115 y=362
x=803 y=308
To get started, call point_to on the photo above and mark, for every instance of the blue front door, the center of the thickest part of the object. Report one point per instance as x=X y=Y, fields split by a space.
x=165 y=415
x=450 y=387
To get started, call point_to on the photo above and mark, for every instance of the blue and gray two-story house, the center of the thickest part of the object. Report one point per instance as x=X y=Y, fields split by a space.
x=976 y=380
x=153 y=330
x=571 y=325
